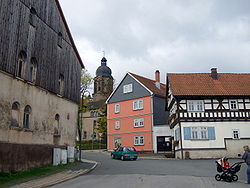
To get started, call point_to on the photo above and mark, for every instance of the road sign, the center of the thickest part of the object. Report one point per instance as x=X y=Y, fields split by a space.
x=100 y=134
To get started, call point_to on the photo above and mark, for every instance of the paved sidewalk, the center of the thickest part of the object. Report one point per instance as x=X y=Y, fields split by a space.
x=50 y=180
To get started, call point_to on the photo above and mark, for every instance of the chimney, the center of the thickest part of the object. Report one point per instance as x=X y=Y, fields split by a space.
x=157 y=76
x=157 y=79
x=214 y=73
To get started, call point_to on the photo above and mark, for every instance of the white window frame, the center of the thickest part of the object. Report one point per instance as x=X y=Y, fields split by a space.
x=233 y=133
x=138 y=140
x=138 y=104
x=139 y=122
x=195 y=105
x=128 y=88
x=199 y=133
x=117 y=125
x=117 y=108
x=233 y=105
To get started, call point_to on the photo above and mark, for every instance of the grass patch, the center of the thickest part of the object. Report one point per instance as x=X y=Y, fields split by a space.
x=6 y=178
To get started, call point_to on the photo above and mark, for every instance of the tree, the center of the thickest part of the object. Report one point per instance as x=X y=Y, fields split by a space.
x=86 y=80
x=102 y=122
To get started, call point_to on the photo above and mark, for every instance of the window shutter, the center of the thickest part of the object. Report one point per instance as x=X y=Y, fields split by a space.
x=211 y=133
x=187 y=133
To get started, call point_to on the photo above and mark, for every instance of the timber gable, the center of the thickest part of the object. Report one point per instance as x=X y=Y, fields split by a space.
x=231 y=107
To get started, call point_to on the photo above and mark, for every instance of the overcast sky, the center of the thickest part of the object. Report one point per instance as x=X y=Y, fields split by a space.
x=141 y=36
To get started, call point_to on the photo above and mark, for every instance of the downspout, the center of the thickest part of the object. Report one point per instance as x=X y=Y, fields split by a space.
x=152 y=116
x=107 y=126
x=178 y=112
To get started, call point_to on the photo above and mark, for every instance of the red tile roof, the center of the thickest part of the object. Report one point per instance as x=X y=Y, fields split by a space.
x=202 y=84
x=150 y=84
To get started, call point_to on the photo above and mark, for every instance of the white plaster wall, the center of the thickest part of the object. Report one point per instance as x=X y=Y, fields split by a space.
x=222 y=130
x=222 y=146
x=162 y=130
x=45 y=106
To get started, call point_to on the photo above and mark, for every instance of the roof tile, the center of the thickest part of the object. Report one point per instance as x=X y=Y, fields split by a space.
x=229 y=84
x=150 y=84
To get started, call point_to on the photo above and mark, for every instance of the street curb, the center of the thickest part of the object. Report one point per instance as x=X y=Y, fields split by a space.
x=80 y=174
x=153 y=158
x=65 y=176
x=90 y=169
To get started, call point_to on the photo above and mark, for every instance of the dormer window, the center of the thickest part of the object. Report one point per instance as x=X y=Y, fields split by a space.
x=21 y=64
x=32 y=70
x=32 y=18
x=128 y=88
x=59 y=39
x=61 y=84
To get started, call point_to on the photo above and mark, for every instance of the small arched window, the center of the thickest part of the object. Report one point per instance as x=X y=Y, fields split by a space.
x=21 y=64
x=59 y=39
x=26 y=117
x=15 y=112
x=61 y=84
x=56 y=124
x=57 y=117
x=33 y=69
x=15 y=106
x=32 y=18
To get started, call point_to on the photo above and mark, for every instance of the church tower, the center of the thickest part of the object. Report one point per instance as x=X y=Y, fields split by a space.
x=103 y=83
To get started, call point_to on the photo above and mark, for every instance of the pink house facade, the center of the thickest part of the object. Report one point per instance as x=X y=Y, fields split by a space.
x=135 y=110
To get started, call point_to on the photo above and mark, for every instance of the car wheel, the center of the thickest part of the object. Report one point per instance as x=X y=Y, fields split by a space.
x=218 y=177
x=112 y=156
x=122 y=158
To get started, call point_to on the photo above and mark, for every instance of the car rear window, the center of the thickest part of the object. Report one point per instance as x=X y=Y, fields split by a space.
x=129 y=149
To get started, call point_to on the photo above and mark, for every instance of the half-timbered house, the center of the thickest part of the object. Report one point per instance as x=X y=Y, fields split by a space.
x=40 y=71
x=209 y=113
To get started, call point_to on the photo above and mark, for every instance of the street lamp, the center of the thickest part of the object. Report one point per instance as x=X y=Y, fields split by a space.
x=81 y=117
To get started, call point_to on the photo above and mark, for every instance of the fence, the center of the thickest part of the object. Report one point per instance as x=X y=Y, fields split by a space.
x=93 y=144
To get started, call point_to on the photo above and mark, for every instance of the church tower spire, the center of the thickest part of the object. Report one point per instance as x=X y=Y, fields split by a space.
x=103 y=83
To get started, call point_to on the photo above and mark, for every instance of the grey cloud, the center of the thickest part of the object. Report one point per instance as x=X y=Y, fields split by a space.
x=172 y=35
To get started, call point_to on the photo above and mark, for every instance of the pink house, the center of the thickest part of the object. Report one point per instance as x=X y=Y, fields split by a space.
x=137 y=116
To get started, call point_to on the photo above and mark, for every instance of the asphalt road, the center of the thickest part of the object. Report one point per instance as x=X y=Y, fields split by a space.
x=145 y=173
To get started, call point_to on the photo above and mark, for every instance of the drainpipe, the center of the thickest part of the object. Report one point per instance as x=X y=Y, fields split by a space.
x=152 y=116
